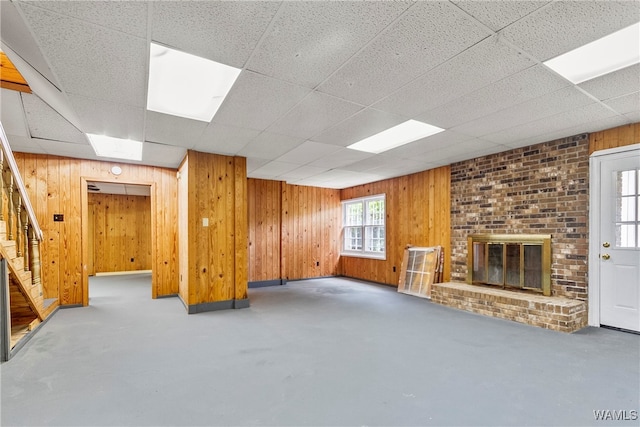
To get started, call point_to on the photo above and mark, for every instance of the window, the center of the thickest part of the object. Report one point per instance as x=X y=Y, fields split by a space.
x=627 y=205
x=364 y=227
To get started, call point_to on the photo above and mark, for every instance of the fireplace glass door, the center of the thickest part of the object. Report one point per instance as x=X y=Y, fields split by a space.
x=511 y=261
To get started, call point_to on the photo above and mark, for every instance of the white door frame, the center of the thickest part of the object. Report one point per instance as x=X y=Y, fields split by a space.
x=594 y=229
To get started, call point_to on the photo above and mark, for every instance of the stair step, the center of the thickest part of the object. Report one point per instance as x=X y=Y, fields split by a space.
x=10 y=248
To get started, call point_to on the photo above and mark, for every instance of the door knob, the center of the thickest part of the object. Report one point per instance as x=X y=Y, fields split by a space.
x=606 y=256
x=606 y=244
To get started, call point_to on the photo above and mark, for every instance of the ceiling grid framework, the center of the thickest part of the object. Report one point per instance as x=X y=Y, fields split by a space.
x=317 y=77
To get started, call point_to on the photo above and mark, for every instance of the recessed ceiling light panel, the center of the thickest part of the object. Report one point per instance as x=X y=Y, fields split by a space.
x=186 y=85
x=106 y=146
x=402 y=134
x=606 y=55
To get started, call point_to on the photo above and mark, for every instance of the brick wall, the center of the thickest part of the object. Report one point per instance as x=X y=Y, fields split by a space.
x=540 y=189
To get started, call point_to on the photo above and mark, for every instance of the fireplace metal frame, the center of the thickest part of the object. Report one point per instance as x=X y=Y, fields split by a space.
x=543 y=240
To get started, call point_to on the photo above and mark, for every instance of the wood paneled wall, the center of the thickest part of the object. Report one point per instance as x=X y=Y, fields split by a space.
x=418 y=213
x=183 y=232
x=615 y=137
x=294 y=231
x=58 y=185
x=121 y=232
x=311 y=223
x=216 y=258
x=264 y=205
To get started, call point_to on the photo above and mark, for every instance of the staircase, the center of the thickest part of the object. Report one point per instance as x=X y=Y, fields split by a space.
x=22 y=303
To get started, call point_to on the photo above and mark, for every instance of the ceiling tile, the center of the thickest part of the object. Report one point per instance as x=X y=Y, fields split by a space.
x=340 y=158
x=613 y=85
x=254 y=163
x=499 y=14
x=633 y=117
x=607 y=123
x=366 y=164
x=224 y=31
x=565 y=25
x=559 y=122
x=173 y=130
x=45 y=123
x=301 y=173
x=399 y=167
x=487 y=62
x=127 y=16
x=12 y=113
x=625 y=104
x=68 y=149
x=109 y=118
x=337 y=178
x=162 y=155
x=91 y=60
x=547 y=105
x=223 y=139
x=430 y=143
x=425 y=36
x=273 y=169
x=530 y=83
x=310 y=40
x=307 y=152
x=24 y=144
x=313 y=115
x=459 y=149
x=18 y=37
x=269 y=146
x=365 y=123
x=256 y=101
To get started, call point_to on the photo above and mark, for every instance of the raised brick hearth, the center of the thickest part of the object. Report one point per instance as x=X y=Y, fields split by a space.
x=557 y=313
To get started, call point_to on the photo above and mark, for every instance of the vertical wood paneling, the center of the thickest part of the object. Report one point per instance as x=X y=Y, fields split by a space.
x=264 y=210
x=615 y=137
x=122 y=238
x=50 y=250
x=216 y=258
x=183 y=231
x=92 y=254
x=57 y=188
x=309 y=218
x=241 y=224
x=418 y=213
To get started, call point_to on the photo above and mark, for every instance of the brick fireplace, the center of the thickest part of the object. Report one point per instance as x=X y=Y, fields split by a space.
x=540 y=189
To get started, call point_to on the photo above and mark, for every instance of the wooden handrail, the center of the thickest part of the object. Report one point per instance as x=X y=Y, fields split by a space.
x=19 y=184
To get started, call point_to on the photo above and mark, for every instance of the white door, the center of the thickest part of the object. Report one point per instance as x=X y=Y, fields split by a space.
x=619 y=245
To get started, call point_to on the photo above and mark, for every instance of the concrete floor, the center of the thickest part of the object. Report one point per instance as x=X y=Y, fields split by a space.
x=317 y=352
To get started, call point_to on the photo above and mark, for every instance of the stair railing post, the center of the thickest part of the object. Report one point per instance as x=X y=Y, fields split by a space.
x=11 y=208
x=27 y=255
x=18 y=205
x=34 y=258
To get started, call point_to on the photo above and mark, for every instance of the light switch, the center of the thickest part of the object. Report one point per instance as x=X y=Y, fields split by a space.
x=205 y=222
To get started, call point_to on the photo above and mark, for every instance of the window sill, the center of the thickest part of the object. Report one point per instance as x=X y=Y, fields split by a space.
x=381 y=257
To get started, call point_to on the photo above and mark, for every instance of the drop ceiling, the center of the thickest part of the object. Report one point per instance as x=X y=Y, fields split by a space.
x=316 y=77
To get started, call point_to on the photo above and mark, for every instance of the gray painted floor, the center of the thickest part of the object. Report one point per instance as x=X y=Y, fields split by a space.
x=319 y=352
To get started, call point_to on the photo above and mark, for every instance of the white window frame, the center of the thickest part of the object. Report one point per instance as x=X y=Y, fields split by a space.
x=364 y=228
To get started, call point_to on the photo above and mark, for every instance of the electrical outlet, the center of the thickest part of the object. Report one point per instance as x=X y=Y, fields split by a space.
x=58 y=217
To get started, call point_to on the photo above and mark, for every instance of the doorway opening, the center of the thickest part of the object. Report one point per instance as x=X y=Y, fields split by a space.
x=614 y=247
x=118 y=234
